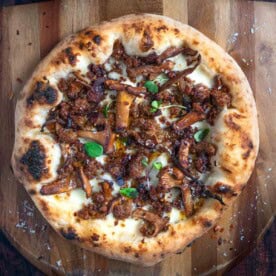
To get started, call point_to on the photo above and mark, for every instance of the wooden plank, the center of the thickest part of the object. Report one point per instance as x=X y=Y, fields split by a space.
x=111 y=9
x=49 y=26
x=231 y=24
x=76 y=15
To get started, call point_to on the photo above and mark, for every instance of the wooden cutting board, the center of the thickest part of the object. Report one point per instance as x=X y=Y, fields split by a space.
x=246 y=29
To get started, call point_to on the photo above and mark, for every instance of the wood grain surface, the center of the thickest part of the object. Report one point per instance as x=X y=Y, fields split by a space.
x=246 y=29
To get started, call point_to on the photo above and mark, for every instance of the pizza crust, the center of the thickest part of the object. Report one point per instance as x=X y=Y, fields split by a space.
x=235 y=134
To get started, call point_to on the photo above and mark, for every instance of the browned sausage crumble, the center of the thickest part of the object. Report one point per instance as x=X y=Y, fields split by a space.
x=149 y=114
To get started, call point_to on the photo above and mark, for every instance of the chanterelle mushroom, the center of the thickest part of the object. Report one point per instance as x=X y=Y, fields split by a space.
x=124 y=101
x=59 y=186
x=188 y=120
x=174 y=178
x=183 y=153
x=105 y=138
x=154 y=225
x=85 y=183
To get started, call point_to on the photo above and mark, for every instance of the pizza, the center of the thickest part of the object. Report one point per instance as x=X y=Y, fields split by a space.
x=133 y=136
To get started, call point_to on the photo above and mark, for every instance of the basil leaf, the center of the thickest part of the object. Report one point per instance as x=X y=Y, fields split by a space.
x=129 y=192
x=93 y=149
x=201 y=134
x=151 y=87
x=106 y=110
x=157 y=165
x=145 y=161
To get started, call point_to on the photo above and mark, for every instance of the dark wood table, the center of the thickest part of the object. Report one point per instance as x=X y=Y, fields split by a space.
x=246 y=29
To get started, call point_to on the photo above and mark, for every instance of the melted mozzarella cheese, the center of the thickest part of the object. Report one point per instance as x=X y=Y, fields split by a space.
x=179 y=62
x=202 y=75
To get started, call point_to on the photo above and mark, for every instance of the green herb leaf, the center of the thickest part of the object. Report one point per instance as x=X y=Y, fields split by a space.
x=106 y=110
x=155 y=106
x=93 y=149
x=201 y=134
x=157 y=165
x=145 y=161
x=151 y=87
x=129 y=192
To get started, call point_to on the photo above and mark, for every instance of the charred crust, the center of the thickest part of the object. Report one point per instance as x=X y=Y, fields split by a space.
x=34 y=160
x=248 y=145
x=44 y=206
x=97 y=39
x=127 y=249
x=88 y=33
x=206 y=223
x=229 y=121
x=176 y=31
x=226 y=170
x=136 y=255
x=69 y=234
x=32 y=192
x=224 y=189
x=146 y=42
x=95 y=237
x=43 y=94
x=162 y=28
x=70 y=55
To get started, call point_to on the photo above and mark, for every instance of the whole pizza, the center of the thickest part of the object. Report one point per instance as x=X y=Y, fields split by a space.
x=133 y=136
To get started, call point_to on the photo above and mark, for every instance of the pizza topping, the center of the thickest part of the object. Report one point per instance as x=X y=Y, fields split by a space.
x=129 y=192
x=153 y=223
x=121 y=207
x=116 y=85
x=124 y=101
x=93 y=149
x=151 y=87
x=188 y=119
x=59 y=186
x=201 y=134
x=134 y=135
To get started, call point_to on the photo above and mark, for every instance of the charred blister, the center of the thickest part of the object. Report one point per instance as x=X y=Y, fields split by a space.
x=69 y=234
x=34 y=160
x=43 y=94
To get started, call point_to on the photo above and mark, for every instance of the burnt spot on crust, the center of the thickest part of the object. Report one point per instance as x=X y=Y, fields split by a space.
x=44 y=206
x=146 y=41
x=176 y=31
x=69 y=234
x=229 y=121
x=70 y=55
x=127 y=249
x=34 y=160
x=138 y=26
x=88 y=33
x=29 y=123
x=97 y=39
x=67 y=56
x=206 y=223
x=162 y=28
x=95 y=237
x=43 y=94
x=136 y=255
x=32 y=192
x=223 y=189
x=247 y=144
x=226 y=170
